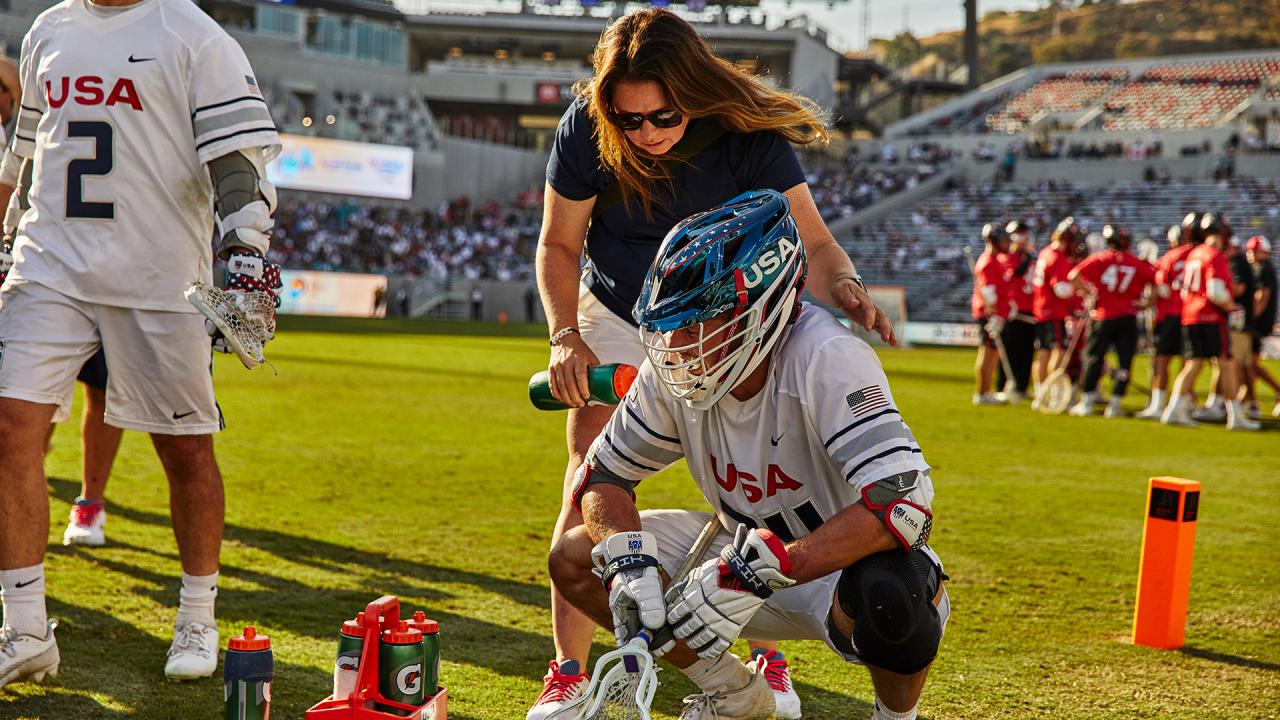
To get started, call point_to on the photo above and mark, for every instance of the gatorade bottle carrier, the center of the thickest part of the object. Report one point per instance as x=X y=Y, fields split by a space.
x=365 y=698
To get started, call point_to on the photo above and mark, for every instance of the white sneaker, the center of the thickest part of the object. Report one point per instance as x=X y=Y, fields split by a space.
x=194 y=652
x=1243 y=423
x=987 y=399
x=1253 y=412
x=1211 y=414
x=1084 y=408
x=558 y=689
x=86 y=524
x=778 y=673
x=1150 y=412
x=27 y=657
x=1114 y=411
x=1176 y=414
x=754 y=701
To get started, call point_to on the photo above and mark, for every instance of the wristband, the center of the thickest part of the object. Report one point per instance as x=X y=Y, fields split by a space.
x=562 y=333
x=855 y=277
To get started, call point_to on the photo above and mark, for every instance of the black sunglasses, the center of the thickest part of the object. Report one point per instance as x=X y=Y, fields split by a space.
x=660 y=119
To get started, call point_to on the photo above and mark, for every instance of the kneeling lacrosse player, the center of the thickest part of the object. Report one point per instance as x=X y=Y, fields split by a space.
x=787 y=424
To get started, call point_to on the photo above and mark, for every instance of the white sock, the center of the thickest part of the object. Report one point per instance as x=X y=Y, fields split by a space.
x=1212 y=400
x=1235 y=410
x=726 y=671
x=195 y=599
x=1158 y=399
x=884 y=713
x=1115 y=402
x=22 y=594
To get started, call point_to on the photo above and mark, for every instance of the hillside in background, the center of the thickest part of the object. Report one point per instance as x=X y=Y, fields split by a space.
x=1064 y=30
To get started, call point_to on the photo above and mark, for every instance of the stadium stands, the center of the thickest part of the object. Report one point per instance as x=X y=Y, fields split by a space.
x=1072 y=92
x=1186 y=95
x=841 y=187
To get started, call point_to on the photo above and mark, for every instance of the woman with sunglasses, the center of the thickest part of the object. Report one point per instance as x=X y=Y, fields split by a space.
x=663 y=130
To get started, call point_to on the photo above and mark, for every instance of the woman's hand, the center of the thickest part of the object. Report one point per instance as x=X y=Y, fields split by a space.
x=861 y=309
x=570 y=359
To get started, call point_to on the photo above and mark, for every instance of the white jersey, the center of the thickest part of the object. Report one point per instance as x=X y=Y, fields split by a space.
x=790 y=457
x=120 y=113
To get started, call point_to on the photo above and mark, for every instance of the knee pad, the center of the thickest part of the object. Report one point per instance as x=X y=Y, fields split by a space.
x=889 y=595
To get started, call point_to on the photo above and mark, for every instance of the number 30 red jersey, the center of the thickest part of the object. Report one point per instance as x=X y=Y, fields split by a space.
x=1204 y=263
x=1119 y=278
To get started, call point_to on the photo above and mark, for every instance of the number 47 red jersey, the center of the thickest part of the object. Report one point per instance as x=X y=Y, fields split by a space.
x=1119 y=279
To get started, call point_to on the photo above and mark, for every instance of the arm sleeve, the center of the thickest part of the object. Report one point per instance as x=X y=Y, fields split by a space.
x=854 y=413
x=642 y=437
x=228 y=111
x=768 y=161
x=574 y=165
x=32 y=106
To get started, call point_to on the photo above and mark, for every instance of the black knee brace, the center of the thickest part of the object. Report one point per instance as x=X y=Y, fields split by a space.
x=889 y=595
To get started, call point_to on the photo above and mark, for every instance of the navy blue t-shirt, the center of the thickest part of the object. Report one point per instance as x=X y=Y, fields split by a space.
x=622 y=243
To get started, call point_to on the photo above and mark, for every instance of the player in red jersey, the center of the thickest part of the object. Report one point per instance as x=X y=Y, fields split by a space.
x=1052 y=299
x=1118 y=279
x=1019 y=334
x=1168 y=330
x=1206 y=303
x=990 y=306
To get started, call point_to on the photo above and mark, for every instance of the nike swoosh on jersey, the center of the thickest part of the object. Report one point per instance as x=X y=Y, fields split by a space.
x=133 y=59
x=775 y=440
x=176 y=416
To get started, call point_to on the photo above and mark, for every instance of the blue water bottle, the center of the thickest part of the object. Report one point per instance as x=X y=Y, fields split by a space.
x=247 y=672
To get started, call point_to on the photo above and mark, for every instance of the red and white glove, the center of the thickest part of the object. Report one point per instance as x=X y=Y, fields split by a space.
x=627 y=564
x=6 y=261
x=709 y=608
x=247 y=273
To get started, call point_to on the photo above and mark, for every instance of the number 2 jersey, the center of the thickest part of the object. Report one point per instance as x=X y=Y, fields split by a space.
x=120 y=111
x=790 y=457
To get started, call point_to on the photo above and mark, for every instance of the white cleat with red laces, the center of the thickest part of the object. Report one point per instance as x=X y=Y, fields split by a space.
x=88 y=518
x=558 y=688
x=778 y=673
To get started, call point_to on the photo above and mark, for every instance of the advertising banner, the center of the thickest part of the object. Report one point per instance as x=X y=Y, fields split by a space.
x=343 y=168
x=311 y=292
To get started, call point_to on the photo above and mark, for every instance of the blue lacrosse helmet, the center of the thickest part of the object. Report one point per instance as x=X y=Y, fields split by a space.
x=742 y=263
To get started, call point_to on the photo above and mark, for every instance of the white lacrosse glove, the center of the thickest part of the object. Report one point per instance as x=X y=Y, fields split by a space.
x=248 y=273
x=6 y=261
x=995 y=324
x=627 y=564
x=709 y=609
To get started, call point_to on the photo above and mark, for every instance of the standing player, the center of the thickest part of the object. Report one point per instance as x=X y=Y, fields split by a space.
x=1053 y=299
x=1206 y=304
x=788 y=426
x=137 y=118
x=990 y=307
x=1118 y=280
x=1168 y=331
x=1019 y=334
x=1258 y=250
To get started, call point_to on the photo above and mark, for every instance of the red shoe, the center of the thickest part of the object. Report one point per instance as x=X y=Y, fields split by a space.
x=557 y=689
x=778 y=673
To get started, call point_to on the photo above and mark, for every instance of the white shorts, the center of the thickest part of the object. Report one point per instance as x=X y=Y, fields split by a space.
x=796 y=613
x=611 y=338
x=159 y=363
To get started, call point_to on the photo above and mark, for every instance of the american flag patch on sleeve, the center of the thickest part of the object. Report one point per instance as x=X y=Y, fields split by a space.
x=867 y=399
x=253 y=85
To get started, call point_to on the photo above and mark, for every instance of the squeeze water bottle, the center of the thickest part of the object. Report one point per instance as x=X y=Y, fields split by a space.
x=607 y=385
x=247 y=673
x=347 y=666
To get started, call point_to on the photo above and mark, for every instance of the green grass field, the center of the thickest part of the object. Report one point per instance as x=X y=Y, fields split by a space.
x=405 y=459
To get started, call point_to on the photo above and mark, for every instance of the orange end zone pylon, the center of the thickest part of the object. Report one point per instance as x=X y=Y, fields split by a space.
x=1164 y=571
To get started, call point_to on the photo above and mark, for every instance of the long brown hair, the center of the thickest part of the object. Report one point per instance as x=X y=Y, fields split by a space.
x=659 y=46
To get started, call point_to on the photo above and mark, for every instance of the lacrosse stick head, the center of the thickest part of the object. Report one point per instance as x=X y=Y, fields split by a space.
x=1058 y=390
x=245 y=319
x=621 y=688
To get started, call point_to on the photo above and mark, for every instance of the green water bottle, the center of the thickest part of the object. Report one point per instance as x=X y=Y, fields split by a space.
x=607 y=383
x=430 y=630
x=400 y=666
x=347 y=666
x=247 y=673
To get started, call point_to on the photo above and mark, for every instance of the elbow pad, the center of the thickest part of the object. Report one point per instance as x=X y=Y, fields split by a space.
x=1217 y=291
x=244 y=199
x=890 y=499
x=1063 y=290
x=989 y=294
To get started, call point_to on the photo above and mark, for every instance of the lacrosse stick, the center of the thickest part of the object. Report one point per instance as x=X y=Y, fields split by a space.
x=242 y=322
x=1057 y=387
x=624 y=680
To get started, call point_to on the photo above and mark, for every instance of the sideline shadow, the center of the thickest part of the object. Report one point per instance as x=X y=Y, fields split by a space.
x=1228 y=659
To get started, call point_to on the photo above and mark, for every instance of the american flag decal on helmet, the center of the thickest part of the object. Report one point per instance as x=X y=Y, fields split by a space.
x=867 y=399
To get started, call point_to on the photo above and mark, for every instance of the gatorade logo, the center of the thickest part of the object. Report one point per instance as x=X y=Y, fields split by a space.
x=348 y=662
x=409 y=679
